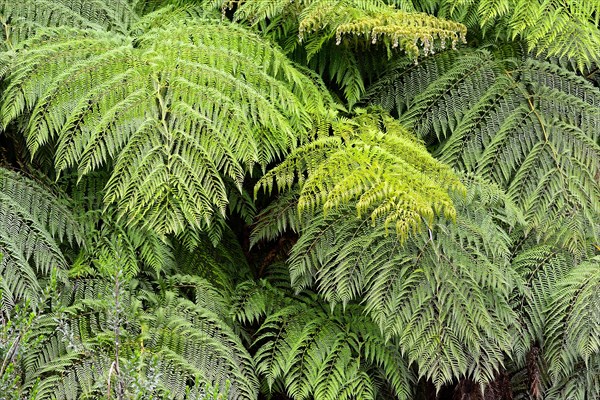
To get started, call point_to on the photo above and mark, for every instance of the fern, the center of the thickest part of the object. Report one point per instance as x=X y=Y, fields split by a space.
x=317 y=354
x=21 y=19
x=567 y=30
x=530 y=126
x=443 y=294
x=33 y=223
x=374 y=161
x=342 y=28
x=196 y=99
x=574 y=317
x=181 y=340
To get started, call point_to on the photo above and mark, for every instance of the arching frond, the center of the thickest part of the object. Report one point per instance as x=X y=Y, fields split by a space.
x=179 y=339
x=572 y=334
x=530 y=126
x=375 y=163
x=443 y=294
x=333 y=33
x=317 y=354
x=21 y=19
x=567 y=30
x=33 y=222
x=177 y=111
x=541 y=267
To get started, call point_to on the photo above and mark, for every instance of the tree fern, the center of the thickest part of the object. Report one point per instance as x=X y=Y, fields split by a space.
x=33 y=223
x=553 y=27
x=529 y=125
x=21 y=19
x=198 y=102
x=331 y=34
x=317 y=354
x=180 y=339
x=443 y=294
x=377 y=163
x=572 y=335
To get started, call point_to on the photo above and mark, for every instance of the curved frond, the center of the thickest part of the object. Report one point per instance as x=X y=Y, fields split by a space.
x=443 y=294
x=376 y=164
x=317 y=354
x=572 y=334
x=33 y=222
x=530 y=126
x=177 y=111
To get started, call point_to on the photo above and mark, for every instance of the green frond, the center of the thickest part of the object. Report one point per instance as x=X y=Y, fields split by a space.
x=22 y=19
x=33 y=223
x=375 y=163
x=530 y=126
x=332 y=34
x=541 y=268
x=178 y=111
x=549 y=27
x=179 y=339
x=317 y=354
x=572 y=334
x=582 y=384
x=443 y=294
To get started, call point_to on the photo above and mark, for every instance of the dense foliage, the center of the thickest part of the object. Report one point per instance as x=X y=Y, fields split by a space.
x=306 y=199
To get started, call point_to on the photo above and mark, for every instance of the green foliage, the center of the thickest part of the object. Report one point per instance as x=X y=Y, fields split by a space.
x=330 y=355
x=441 y=240
x=33 y=223
x=568 y=30
x=21 y=19
x=104 y=322
x=444 y=295
x=375 y=162
x=332 y=35
x=197 y=103
x=572 y=335
x=530 y=126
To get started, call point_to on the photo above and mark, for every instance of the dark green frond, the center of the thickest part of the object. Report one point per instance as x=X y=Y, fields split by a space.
x=23 y=18
x=530 y=126
x=572 y=334
x=443 y=294
x=33 y=223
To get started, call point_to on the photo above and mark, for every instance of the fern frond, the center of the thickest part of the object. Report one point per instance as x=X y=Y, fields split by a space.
x=22 y=19
x=572 y=333
x=530 y=126
x=317 y=354
x=550 y=27
x=443 y=294
x=374 y=162
x=33 y=223
x=333 y=33
x=197 y=102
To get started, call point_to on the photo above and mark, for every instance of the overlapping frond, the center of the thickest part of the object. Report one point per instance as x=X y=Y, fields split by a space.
x=332 y=32
x=176 y=111
x=572 y=334
x=21 y=19
x=375 y=163
x=180 y=342
x=444 y=295
x=567 y=30
x=323 y=355
x=541 y=268
x=33 y=223
x=530 y=126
